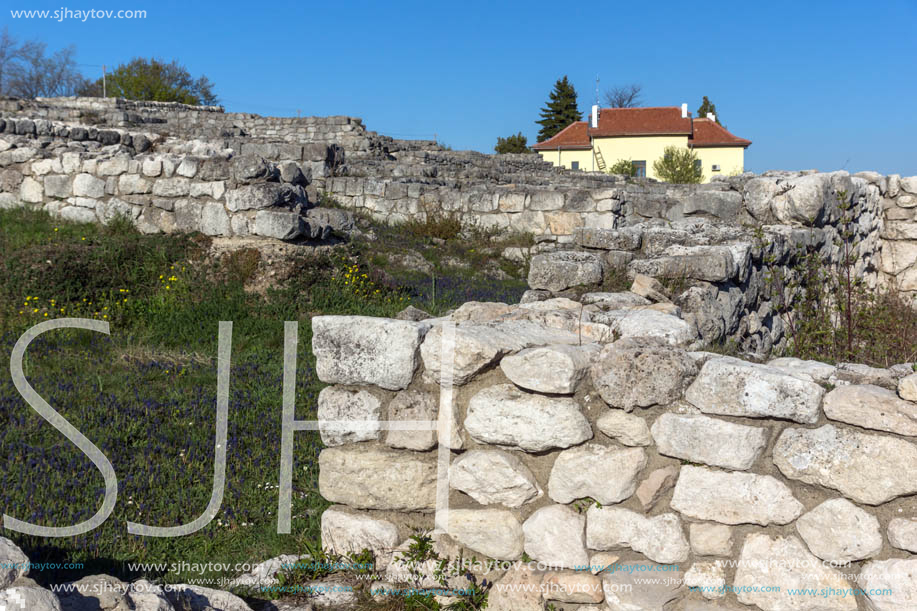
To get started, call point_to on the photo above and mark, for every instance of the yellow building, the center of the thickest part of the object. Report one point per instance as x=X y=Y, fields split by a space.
x=641 y=135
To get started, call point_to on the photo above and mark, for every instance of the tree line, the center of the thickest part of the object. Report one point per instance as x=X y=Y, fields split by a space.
x=28 y=70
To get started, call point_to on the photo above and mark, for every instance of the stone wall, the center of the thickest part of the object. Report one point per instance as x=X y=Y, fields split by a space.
x=92 y=175
x=610 y=467
x=723 y=239
x=192 y=122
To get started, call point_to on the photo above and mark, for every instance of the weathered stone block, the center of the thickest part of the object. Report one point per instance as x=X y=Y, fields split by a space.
x=869 y=469
x=560 y=270
x=731 y=387
x=372 y=478
x=505 y=415
x=734 y=498
x=366 y=350
x=87 y=185
x=344 y=406
x=608 y=475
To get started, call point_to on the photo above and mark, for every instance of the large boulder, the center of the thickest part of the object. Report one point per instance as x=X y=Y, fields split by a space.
x=734 y=498
x=659 y=538
x=338 y=406
x=731 y=387
x=811 y=199
x=278 y=224
x=780 y=574
x=29 y=598
x=626 y=238
x=651 y=323
x=872 y=407
x=347 y=532
x=902 y=533
x=641 y=372
x=549 y=369
x=243 y=168
x=412 y=405
x=869 y=469
x=374 y=478
x=147 y=596
x=13 y=563
x=627 y=429
x=496 y=533
x=505 y=415
x=840 y=532
x=480 y=345
x=708 y=263
x=197 y=598
x=890 y=585
x=101 y=592
x=557 y=271
x=493 y=477
x=555 y=535
x=646 y=586
x=264 y=195
x=366 y=350
x=606 y=474
x=712 y=441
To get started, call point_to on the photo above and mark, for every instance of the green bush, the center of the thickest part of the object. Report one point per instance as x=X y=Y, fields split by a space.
x=679 y=166
x=512 y=144
x=624 y=167
x=831 y=315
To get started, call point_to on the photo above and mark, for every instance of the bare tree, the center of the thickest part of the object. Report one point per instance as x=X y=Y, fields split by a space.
x=27 y=72
x=11 y=54
x=39 y=75
x=627 y=96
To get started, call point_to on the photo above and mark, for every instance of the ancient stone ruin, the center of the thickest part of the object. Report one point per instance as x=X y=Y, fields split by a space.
x=595 y=452
x=575 y=445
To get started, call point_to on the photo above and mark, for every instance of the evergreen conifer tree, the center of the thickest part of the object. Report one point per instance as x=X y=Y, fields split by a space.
x=707 y=107
x=561 y=110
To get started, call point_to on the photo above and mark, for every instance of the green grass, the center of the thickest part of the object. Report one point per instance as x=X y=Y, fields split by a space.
x=146 y=394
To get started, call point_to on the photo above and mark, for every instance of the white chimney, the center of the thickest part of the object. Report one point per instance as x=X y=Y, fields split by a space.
x=711 y=116
x=595 y=116
x=684 y=110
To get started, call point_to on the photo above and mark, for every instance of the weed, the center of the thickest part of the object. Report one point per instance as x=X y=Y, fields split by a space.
x=240 y=265
x=583 y=504
x=434 y=224
x=830 y=314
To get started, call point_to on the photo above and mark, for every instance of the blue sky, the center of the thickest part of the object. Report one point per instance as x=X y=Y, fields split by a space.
x=827 y=85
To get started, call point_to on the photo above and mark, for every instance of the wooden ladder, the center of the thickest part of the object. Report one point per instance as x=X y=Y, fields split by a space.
x=599 y=160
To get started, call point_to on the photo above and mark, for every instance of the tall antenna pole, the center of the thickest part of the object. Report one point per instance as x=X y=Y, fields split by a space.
x=597 y=90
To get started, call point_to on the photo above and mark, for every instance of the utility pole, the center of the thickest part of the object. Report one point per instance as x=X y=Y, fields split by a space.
x=104 y=95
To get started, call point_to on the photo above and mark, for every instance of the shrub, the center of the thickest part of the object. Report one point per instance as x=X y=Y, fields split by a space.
x=434 y=223
x=512 y=144
x=831 y=315
x=680 y=166
x=624 y=167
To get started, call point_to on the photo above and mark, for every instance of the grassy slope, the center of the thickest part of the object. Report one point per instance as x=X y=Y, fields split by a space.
x=146 y=394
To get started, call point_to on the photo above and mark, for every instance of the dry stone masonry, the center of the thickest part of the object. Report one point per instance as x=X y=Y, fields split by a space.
x=591 y=460
x=588 y=427
x=170 y=167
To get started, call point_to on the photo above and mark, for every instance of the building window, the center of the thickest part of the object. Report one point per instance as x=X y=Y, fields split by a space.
x=574 y=165
x=698 y=166
x=639 y=168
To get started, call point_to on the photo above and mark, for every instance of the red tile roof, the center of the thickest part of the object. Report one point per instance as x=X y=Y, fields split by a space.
x=574 y=136
x=657 y=121
x=711 y=133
